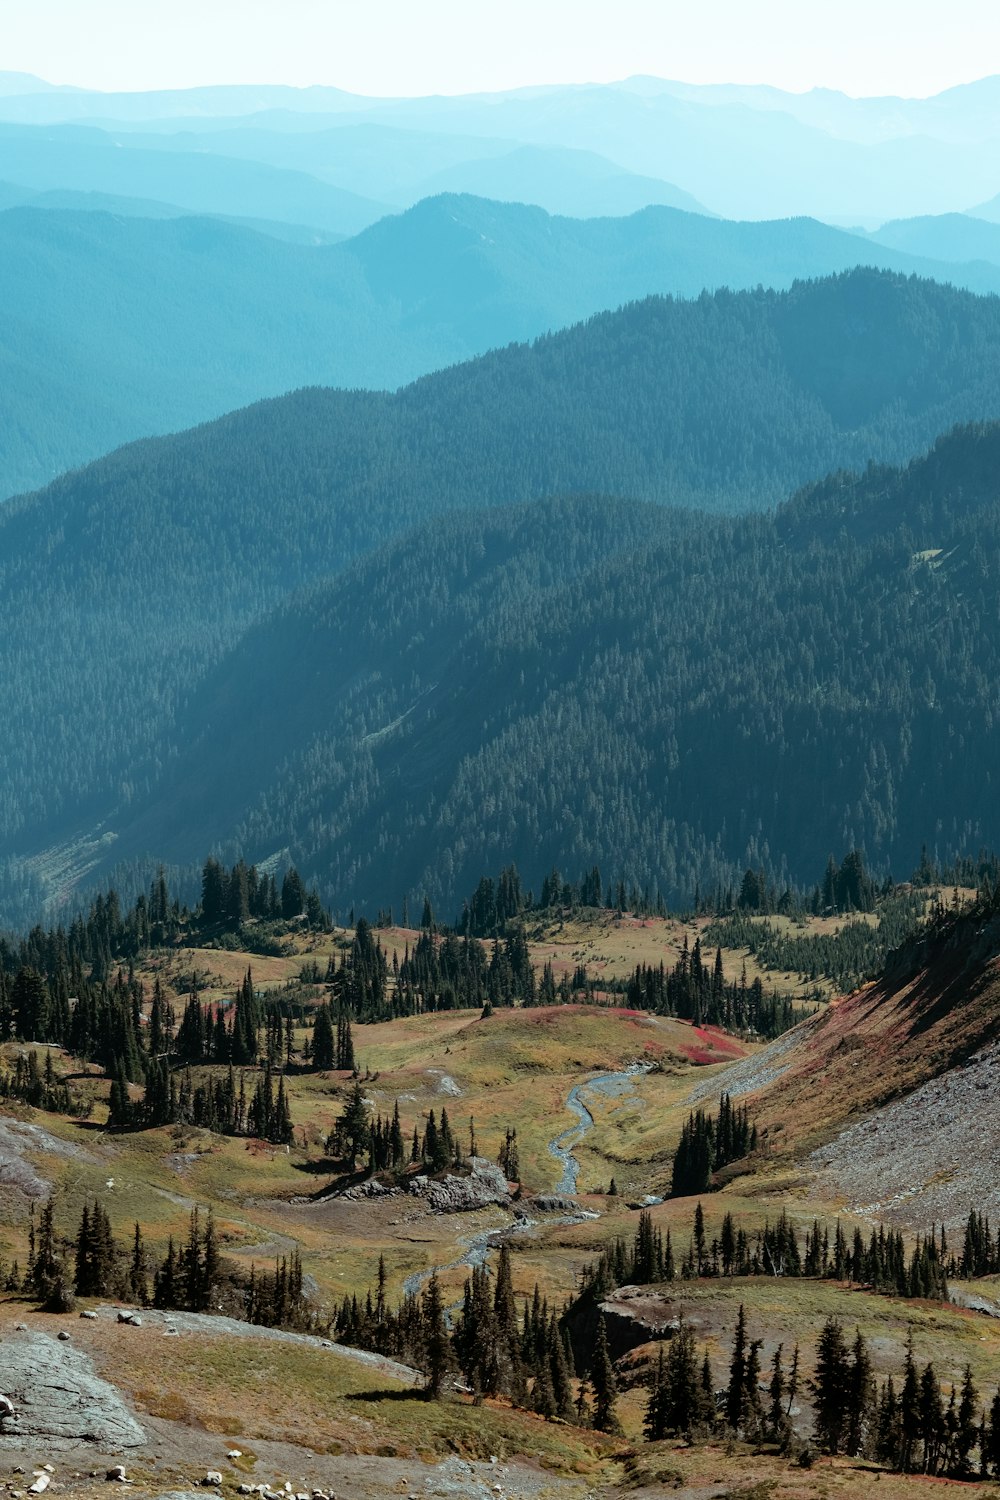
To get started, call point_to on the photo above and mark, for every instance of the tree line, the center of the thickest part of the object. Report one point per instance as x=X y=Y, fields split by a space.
x=775 y=1250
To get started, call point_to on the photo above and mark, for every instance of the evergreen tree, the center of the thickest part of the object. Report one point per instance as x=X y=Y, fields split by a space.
x=354 y=1124
x=602 y=1379
x=831 y=1387
x=736 y=1400
x=436 y=1337
x=323 y=1045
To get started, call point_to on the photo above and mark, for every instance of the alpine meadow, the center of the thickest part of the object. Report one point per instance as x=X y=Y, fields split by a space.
x=499 y=847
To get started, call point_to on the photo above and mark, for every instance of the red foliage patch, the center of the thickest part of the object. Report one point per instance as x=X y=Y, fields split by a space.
x=701 y=1056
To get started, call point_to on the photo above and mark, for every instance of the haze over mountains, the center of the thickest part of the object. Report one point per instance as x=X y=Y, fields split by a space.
x=126 y=326
x=743 y=152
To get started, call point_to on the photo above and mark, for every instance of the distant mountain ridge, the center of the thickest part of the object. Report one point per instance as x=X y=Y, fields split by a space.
x=234 y=316
x=743 y=152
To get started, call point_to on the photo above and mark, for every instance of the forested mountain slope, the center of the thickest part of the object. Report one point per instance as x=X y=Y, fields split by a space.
x=233 y=316
x=666 y=694
x=541 y=685
x=123 y=584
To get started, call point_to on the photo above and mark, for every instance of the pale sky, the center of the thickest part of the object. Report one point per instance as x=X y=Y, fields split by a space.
x=386 y=47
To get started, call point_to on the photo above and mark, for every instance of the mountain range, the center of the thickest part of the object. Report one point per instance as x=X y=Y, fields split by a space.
x=119 y=327
x=742 y=152
x=126 y=585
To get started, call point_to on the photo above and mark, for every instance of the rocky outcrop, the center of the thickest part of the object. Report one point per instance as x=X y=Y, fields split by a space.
x=57 y=1396
x=485 y=1185
x=633 y=1316
x=370 y=1188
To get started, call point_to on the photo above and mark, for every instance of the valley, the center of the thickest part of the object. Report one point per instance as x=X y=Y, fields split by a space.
x=595 y=1092
x=499 y=845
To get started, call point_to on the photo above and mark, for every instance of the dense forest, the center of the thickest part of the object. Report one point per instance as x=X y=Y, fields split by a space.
x=829 y=676
x=427 y=713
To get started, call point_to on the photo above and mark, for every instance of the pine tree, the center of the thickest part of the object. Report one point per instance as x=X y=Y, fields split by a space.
x=354 y=1124
x=137 y=1281
x=436 y=1340
x=777 y=1420
x=991 y=1438
x=831 y=1387
x=931 y=1418
x=967 y=1431
x=683 y=1406
x=323 y=1046
x=754 y=1412
x=602 y=1379
x=860 y=1396
x=654 y=1422
x=736 y=1390
x=909 y=1412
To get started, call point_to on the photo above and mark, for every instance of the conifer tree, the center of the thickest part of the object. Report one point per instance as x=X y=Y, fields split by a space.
x=966 y=1435
x=436 y=1340
x=831 y=1387
x=654 y=1422
x=323 y=1046
x=909 y=1412
x=736 y=1390
x=602 y=1379
x=137 y=1280
x=860 y=1396
x=354 y=1124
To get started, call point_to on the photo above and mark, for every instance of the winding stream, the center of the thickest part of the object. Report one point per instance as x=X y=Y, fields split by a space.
x=477 y=1248
x=609 y=1086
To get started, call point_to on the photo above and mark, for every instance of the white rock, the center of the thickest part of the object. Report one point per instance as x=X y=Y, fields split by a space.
x=41 y=1483
x=88 y=1312
x=213 y=1477
x=233 y=1454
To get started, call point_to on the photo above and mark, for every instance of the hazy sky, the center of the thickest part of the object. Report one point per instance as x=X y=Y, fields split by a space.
x=912 y=47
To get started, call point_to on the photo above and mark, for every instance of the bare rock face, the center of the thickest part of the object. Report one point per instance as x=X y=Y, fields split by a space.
x=371 y=1188
x=57 y=1395
x=484 y=1185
